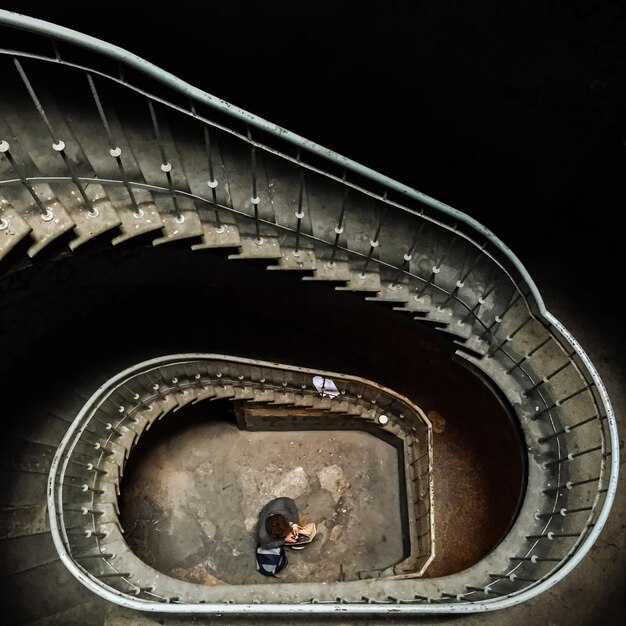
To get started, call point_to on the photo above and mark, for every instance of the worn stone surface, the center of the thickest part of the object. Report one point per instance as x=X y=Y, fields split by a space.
x=193 y=492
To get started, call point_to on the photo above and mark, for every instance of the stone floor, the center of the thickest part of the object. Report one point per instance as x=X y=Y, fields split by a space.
x=196 y=484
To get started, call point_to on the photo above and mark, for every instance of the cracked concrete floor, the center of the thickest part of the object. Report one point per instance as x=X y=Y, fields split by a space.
x=194 y=487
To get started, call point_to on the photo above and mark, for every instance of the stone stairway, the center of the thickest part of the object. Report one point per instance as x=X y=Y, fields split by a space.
x=169 y=202
x=90 y=470
x=123 y=166
x=26 y=546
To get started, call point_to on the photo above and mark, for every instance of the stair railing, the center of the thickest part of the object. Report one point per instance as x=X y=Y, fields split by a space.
x=565 y=410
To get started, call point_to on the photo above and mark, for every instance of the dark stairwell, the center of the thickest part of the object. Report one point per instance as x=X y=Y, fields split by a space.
x=132 y=294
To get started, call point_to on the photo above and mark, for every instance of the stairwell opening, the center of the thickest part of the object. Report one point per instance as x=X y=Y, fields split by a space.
x=134 y=164
x=478 y=466
x=478 y=456
x=194 y=486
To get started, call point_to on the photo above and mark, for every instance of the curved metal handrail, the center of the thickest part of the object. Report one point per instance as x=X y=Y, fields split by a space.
x=267 y=377
x=580 y=549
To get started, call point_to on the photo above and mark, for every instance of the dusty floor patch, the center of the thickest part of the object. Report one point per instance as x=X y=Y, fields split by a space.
x=191 y=499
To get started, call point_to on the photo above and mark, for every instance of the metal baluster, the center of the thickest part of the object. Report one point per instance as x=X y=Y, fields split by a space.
x=562 y=512
x=46 y=214
x=430 y=281
x=212 y=182
x=485 y=590
x=455 y=596
x=570 y=457
x=55 y=49
x=57 y=145
x=100 y=555
x=121 y=410
x=255 y=200
x=558 y=403
x=567 y=429
x=147 y=589
x=115 y=151
x=339 y=227
x=570 y=485
x=546 y=379
x=510 y=336
x=461 y=282
x=84 y=511
x=527 y=356
x=498 y=318
x=551 y=536
x=513 y=578
x=406 y=259
x=374 y=243
x=481 y=300
x=535 y=559
x=166 y=166
x=90 y=467
x=84 y=487
x=299 y=212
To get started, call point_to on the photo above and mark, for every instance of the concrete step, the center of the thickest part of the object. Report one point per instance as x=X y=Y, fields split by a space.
x=267 y=248
x=85 y=202
x=27 y=456
x=19 y=554
x=282 y=397
x=185 y=226
x=142 y=415
x=18 y=521
x=244 y=393
x=45 y=228
x=87 y=613
x=185 y=396
x=341 y=405
x=475 y=345
x=236 y=160
x=177 y=386
x=418 y=306
x=303 y=400
x=392 y=293
x=264 y=395
x=93 y=224
x=13 y=227
x=205 y=392
x=83 y=515
x=322 y=403
x=156 y=388
x=143 y=576
x=302 y=260
x=337 y=271
x=110 y=449
x=223 y=392
x=26 y=599
x=105 y=160
x=363 y=282
x=134 y=224
x=123 y=434
x=226 y=236
x=22 y=489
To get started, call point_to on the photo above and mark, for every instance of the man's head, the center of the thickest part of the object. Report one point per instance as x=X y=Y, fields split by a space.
x=277 y=526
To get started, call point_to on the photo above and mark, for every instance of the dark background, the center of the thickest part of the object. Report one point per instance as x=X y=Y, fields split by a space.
x=512 y=112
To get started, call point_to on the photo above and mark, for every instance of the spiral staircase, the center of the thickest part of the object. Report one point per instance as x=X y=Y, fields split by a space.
x=105 y=160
